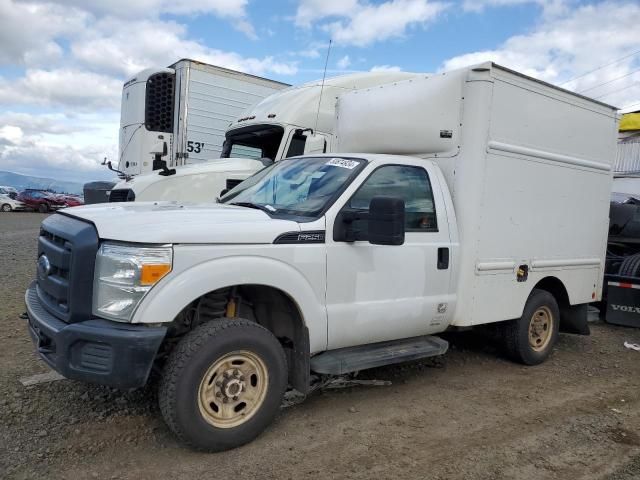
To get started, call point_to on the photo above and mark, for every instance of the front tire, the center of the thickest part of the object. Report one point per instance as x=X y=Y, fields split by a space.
x=43 y=208
x=6 y=207
x=223 y=384
x=531 y=338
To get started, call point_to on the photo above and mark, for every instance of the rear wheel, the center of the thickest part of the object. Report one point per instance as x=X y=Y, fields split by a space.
x=43 y=208
x=6 y=207
x=630 y=266
x=223 y=384
x=530 y=339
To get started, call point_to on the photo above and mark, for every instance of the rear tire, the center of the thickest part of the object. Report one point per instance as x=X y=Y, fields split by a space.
x=43 y=208
x=6 y=207
x=630 y=266
x=531 y=338
x=223 y=384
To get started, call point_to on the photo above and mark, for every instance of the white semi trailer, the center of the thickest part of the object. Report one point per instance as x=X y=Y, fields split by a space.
x=187 y=107
x=297 y=120
x=335 y=263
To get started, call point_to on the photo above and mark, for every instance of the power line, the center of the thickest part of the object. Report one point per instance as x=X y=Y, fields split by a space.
x=618 y=90
x=610 y=81
x=600 y=68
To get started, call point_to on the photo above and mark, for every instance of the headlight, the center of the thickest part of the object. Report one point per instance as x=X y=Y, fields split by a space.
x=123 y=275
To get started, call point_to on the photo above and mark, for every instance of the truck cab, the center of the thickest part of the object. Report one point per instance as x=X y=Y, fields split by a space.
x=163 y=270
x=293 y=121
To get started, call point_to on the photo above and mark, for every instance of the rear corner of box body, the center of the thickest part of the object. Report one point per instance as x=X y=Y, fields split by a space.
x=531 y=192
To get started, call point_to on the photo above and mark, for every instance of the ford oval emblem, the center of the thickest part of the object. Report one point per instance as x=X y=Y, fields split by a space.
x=44 y=266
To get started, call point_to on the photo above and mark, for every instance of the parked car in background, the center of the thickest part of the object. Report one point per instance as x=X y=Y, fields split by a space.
x=8 y=191
x=41 y=200
x=71 y=200
x=8 y=204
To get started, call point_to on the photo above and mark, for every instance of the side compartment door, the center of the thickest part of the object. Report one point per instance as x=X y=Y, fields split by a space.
x=383 y=292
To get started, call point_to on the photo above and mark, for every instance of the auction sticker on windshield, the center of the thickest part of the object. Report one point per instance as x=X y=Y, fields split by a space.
x=343 y=162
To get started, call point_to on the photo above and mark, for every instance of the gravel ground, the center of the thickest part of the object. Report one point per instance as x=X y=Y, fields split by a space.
x=468 y=415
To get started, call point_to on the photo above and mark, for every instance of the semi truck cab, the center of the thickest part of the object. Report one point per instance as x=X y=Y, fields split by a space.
x=292 y=121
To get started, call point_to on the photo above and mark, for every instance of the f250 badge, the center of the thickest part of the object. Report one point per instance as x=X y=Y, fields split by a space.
x=626 y=308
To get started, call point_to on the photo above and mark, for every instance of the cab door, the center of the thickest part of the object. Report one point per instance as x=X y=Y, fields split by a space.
x=383 y=292
x=304 y=142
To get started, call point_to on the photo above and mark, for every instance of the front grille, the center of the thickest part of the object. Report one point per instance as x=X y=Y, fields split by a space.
x=159 y=101
x=54 y=283
x=122 y=195
x=66 y=255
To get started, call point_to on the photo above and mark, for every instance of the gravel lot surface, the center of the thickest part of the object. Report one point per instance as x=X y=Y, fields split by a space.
x=469 y=415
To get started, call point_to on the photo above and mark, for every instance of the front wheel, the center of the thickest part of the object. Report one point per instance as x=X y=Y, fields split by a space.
x=43 y=208
x=223 y=384
x=6 y=207
x=530 y=339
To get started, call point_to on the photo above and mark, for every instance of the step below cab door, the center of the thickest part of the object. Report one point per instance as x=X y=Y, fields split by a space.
x=385 y=292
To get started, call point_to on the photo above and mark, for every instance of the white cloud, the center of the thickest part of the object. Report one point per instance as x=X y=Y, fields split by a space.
x=344 y=62
x=561 y=48
x=550 y=7
x=63 y=87
x=56 y=145
x=75 y=55
x=385 y=68
x=124 y=48
x=311 y=11
x=11 y=134
x=146 y=8
x=46 y=123
x=60 y=162
x=233 y=10
x=359 y=23
x=28 y=30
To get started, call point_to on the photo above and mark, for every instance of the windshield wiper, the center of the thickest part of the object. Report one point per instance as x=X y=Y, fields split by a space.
x=267 y=209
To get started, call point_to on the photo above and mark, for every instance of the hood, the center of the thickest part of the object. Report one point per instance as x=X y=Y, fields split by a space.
x=226 y=166
x=171 y=222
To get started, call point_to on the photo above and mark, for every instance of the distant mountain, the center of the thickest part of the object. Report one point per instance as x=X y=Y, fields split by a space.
x=20 y=182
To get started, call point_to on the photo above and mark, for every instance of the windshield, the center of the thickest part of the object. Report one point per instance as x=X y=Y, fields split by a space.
x=302 y=187
x=256 y=141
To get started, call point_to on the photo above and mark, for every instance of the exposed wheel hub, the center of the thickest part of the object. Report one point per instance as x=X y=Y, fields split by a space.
x=233 y=389
x=540 y=328
x=233 y=384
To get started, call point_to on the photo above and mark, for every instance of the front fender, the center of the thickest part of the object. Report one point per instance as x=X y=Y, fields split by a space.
x=184 y=285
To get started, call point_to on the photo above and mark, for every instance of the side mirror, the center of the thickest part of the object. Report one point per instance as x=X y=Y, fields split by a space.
x=386 y=221
x=315 y=144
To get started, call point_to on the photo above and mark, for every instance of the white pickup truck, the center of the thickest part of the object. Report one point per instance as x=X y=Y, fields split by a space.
x=338 y=263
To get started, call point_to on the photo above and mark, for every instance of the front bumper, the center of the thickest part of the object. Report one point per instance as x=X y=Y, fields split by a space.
x=95 y=350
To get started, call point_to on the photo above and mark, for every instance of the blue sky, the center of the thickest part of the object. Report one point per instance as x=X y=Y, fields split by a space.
x=63 y=62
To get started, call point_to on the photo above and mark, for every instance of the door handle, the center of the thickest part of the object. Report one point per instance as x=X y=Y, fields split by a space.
x=443 y=258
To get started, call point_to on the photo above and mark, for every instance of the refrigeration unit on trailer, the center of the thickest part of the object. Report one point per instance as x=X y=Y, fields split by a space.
x=289 y=122
x=179 y=114
x=335 y=263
